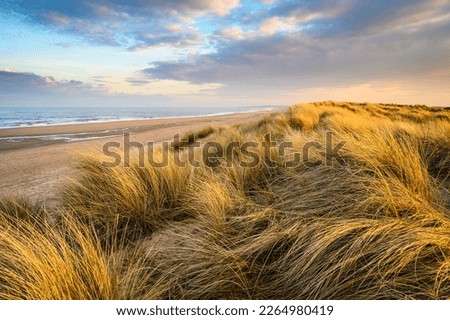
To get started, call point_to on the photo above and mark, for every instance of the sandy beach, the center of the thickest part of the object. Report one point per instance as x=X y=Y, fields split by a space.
x=35 y=162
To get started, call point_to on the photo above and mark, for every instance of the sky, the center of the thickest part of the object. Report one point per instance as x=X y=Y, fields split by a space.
x=211 y=53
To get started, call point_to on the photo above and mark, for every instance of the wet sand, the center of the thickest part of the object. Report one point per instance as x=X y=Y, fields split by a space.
x=38 y=167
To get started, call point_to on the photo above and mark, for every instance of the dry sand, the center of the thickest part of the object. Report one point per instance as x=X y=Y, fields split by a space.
x=37 y=168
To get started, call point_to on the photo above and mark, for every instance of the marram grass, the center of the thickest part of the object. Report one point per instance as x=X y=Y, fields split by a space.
x=373 y=224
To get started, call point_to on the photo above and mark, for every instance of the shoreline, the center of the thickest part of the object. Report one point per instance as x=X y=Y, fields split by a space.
x=33 y=136
x=94 y=122
x=39 y=169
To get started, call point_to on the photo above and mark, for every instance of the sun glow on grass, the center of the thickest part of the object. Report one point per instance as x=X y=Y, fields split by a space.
x=376 y=226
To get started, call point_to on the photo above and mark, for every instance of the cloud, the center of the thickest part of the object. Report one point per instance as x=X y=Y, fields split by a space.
x=29 y=89
x=374 y=17
x=234 y=33
x=168 y=36
x=273 y=25
x=221 y=7
x=307 y=11
x=17 y=83
x=22 y=84
x=141 y=85
x=352 y=50
x=330 y=18
x=136 y=24
x=256 y=47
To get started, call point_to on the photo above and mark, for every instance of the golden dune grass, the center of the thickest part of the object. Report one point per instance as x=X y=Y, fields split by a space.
x=373 y=224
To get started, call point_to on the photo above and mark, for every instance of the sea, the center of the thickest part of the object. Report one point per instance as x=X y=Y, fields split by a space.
x=13 y=117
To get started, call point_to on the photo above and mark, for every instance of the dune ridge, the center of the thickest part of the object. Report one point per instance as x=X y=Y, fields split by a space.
x=363 y=214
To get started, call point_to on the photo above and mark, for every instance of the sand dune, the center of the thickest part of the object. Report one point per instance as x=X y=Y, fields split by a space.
x=324 y=201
